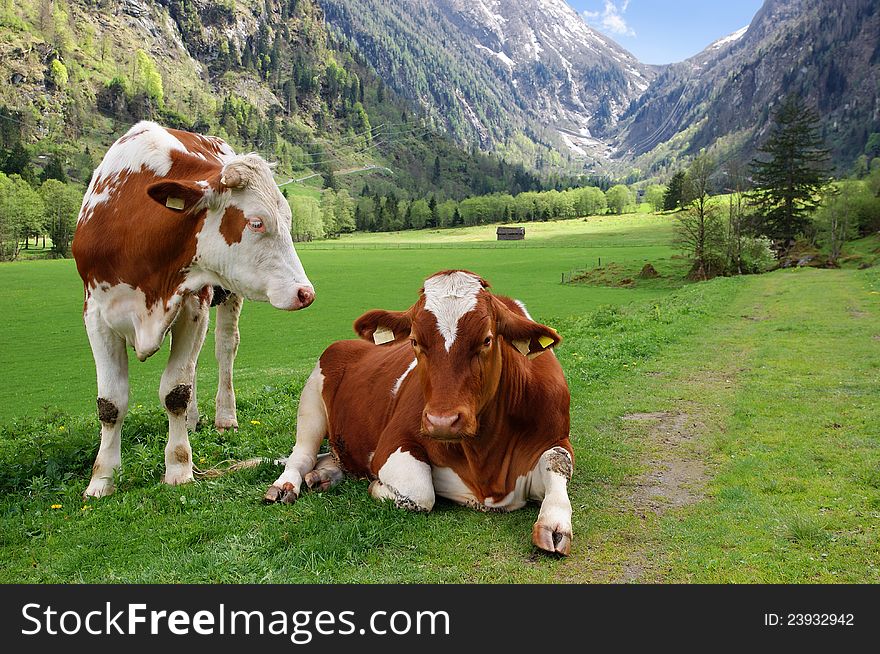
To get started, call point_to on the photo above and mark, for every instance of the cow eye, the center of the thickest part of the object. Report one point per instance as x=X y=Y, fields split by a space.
x=487 y=342
x=256 y=225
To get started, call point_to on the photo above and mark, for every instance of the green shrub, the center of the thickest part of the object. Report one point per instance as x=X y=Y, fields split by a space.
x=757 y=255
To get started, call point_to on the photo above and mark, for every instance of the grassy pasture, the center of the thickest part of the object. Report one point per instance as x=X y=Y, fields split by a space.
x=45 y=303
x=751 y=400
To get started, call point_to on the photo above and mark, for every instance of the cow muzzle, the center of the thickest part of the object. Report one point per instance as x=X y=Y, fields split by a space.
x=300 y=299
x=447 y=425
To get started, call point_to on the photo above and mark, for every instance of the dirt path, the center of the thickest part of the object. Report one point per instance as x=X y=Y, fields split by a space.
x=761 y=418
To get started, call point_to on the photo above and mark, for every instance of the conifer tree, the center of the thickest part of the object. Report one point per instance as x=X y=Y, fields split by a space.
x=674 y=197
x=790 y=176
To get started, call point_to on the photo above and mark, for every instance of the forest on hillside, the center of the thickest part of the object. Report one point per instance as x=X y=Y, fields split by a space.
x=266 y=76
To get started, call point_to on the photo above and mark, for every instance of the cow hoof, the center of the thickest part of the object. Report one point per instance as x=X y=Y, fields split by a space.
x=223 y=424
x=286 y=494
x=177 y=477
x=321 y=480
x=554 y=539
x=100 y=487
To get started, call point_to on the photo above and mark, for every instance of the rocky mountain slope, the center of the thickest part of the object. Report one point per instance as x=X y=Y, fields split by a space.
x=264 y=74
x=318 y=84
x=529 y=79
x=826 y=51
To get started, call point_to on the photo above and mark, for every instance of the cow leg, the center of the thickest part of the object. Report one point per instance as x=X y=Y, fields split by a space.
x=176 y=387
x=226 y=340
x=311 y=428
x=326 y=474
x=192 y=411
x=552 y=530
x=405 y=478
x=111 y=363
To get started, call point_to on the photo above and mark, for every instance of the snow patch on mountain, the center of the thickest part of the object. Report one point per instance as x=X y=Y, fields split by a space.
x=501 y=55
x=730 y=38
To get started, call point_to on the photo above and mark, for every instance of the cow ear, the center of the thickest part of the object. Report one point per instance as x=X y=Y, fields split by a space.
x=381 y=326
x=531 y=338
x=176 y=195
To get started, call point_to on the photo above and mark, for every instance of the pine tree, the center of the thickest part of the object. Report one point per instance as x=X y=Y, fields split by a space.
x=673 y=199
x=54 y=169
x=433 y=220
x=787 y=186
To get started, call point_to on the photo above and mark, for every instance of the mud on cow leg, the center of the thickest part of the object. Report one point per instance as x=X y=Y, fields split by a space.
x=178 y=453
x=178 y=399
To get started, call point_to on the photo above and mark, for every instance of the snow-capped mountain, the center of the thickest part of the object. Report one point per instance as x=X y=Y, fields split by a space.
x=532 y=81
x=570 y=75
x=825 y=51
x=529 y=77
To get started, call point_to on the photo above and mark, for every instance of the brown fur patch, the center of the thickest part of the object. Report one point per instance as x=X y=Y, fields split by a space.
x=131 y=239
x=233 y=224
x=178 y=398
x=181 y=454
x=107 y=411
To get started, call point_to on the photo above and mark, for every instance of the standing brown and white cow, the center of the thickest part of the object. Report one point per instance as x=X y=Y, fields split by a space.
x=449 y=398
x=167 y=216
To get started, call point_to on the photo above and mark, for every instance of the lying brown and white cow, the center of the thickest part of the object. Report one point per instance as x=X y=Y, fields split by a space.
x=454 y=401
x=167 y=216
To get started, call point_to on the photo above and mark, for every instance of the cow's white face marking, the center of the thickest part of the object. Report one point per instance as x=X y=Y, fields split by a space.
x=396 y=388
x=449 y=297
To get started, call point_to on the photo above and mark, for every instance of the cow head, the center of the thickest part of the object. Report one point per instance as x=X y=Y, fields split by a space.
x=245 y=243
x=463 y=337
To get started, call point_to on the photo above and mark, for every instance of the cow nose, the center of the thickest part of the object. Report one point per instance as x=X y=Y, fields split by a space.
x=444 y=425
x=306 y=296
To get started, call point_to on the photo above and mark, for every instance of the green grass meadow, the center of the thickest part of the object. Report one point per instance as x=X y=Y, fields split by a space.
x=769 y=472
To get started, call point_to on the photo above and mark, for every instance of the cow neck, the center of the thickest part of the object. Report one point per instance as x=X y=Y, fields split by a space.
x=173 y=243
x=504 y=407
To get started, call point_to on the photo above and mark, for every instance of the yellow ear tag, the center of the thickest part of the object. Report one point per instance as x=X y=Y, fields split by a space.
x=522 y=346
x=545 y=341
x=175 y=203
x=382 y=335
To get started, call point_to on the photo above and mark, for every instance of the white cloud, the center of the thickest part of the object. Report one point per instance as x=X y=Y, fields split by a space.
x=611 y=18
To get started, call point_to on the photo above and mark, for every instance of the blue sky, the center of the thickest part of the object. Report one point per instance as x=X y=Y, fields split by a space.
x=666 y=31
